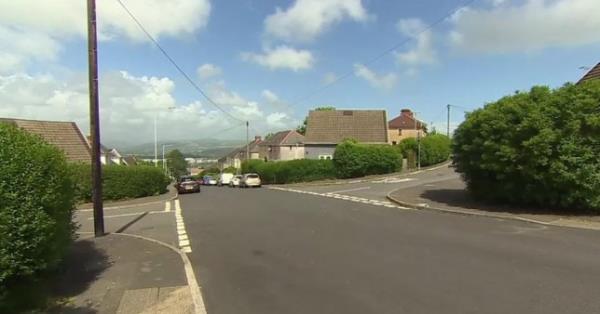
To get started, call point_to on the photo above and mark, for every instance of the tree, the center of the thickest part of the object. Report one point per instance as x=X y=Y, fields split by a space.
x=302 y=128
x=176 y=163
x=536 y=148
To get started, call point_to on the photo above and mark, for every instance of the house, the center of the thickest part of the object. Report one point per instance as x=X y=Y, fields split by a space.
x=238 y=155
x=284 y=145
x=64 y=135
x=108 y=156
x=325 y=129
x=130 y=160
x=405 y=126
x=594 y=73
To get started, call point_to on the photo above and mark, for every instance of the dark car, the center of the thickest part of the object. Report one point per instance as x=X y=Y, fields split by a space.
x=187 y=184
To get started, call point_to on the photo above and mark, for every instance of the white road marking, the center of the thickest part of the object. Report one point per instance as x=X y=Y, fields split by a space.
x=184 y=242
x=168 y=206
x=394 y=180
x=344 y=197
x=350 y=190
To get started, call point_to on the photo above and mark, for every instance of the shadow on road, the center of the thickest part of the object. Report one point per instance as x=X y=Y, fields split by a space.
x=460 y=198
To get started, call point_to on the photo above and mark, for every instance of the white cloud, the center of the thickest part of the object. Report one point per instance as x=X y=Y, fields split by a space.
x=280 y=120
x=307 y=19
x=36 y=30
x=128 y=106
x=329 y=78
x=18 y=47
x=423 y=52
x=63 y=18
x=282 y=57
x=530 y=26
x=382 y=81
x=270 y=96
x=207 y=71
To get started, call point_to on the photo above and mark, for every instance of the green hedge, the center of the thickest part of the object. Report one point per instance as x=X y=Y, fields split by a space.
x=301 y=170
x=540 y=147
x=356 y=160
x=435 y=148
x=36 y=203
x=121 y=182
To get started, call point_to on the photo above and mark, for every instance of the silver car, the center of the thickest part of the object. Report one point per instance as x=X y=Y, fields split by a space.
x=250 y=180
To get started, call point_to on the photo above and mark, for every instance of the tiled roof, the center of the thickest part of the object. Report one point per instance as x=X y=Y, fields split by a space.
x=405 y=121
x=64 y=135
x=594 y=73
x=367 y=126
x=289 y=137
x=241 y=151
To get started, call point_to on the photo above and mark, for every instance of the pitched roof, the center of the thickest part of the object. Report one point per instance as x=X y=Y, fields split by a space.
x=594 y=73
x=64 y=135
x=405 y=121
x=130 y=160
x=241 y=151
x=288 y=137
x=332 y=127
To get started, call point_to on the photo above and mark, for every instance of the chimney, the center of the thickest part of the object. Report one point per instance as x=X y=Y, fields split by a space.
x=257 y=138
x=406 y=112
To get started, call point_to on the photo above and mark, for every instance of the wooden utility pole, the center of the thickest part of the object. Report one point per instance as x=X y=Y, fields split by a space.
x=95 y=120
x=247 y=143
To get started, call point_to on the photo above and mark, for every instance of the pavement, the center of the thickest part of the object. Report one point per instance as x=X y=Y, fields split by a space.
x=139 y=266
x=122 y=274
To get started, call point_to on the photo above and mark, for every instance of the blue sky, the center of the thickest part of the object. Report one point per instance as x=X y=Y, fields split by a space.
x=264 y=61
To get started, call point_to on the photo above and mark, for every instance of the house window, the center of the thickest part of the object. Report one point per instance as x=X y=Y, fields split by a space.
x=325 y=157
x=290 y=147
x=394 y=143
x=399 y=131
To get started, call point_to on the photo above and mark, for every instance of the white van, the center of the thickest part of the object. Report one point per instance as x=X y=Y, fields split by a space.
x=224 y=179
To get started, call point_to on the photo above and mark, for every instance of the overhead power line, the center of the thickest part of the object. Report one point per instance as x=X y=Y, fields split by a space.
x=164 y=52
x=385 y=52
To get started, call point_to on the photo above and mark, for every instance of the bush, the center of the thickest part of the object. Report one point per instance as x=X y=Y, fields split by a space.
x=36 y=203
x=230 y=170
x=356 y=160
x=301 y=170
x=435 y=148
x=407 y=145
x=536 y=148
x=121 y=182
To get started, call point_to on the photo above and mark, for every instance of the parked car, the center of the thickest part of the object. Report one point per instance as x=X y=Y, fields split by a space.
x=187 y=184
x=250 y=180
x=224 y=179
x=235 y=181
x=208 y=180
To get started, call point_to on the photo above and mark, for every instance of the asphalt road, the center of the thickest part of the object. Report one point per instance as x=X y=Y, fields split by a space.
x=271 y=251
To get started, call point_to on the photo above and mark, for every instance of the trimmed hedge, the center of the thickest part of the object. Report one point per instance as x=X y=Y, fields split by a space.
x=435 y=148
x=539 y=148
x=301 y=170
x=357 y=160
x=36 y=203
x=121 y=182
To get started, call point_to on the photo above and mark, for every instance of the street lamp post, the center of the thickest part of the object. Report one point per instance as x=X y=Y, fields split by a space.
x=156 y=136
x=164 y=161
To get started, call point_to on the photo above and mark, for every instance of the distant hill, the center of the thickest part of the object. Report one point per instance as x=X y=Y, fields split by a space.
x=210 y=148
